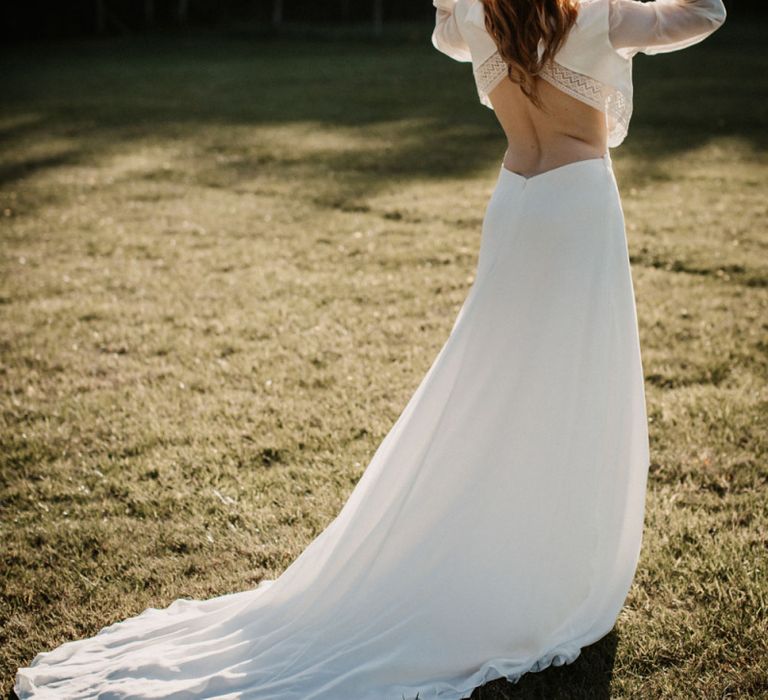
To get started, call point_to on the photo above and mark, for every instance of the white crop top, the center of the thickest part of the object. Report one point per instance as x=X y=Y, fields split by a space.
x=594 y=64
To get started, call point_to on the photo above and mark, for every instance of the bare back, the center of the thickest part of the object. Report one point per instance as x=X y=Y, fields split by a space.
x=583 y=123
x=568 y=130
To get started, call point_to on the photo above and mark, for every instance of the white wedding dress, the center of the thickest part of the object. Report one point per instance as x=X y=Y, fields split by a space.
x=497 y=528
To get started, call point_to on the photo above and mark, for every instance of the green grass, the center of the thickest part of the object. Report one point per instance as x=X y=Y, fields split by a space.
x=227 y=262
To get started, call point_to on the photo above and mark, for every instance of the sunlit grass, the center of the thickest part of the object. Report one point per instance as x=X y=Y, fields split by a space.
x=226 y=265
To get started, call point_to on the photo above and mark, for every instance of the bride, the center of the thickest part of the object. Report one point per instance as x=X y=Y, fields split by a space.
x=497 y=528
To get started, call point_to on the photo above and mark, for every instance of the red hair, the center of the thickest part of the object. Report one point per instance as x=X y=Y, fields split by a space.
x=518 y=25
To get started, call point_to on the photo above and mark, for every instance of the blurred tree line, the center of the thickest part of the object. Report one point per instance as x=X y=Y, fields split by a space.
x=34 y=19
x=47 y=18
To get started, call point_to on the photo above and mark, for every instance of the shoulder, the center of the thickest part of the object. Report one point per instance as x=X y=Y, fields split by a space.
x=589 y=34
x=588 y=49
x=592 y=12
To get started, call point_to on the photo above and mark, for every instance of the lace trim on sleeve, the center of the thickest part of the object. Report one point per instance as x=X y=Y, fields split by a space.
x=488 y=75
x=610 y=101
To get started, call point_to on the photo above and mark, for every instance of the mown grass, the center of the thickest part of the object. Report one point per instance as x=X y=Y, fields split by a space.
x=227 y=263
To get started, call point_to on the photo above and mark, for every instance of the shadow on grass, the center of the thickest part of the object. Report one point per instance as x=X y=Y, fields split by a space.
x=587 y=678
x=407 y=110
x=15 y=171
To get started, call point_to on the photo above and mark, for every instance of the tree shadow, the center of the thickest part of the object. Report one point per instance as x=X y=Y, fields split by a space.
x=407 y=110
x=12 y=172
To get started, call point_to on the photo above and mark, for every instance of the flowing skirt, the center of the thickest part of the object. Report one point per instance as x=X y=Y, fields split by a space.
x=495 y=531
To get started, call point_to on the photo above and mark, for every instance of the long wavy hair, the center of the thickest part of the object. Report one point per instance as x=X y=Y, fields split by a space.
x=518 y=25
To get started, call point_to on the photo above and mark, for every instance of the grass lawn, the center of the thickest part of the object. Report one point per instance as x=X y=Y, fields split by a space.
x=226 y=264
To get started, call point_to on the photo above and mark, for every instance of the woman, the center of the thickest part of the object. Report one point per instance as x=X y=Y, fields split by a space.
x=497 y=528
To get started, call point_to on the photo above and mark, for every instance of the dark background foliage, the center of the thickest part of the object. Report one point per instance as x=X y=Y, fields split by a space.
x=41 y=19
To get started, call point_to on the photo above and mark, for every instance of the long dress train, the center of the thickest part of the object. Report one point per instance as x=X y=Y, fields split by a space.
x=495 y=531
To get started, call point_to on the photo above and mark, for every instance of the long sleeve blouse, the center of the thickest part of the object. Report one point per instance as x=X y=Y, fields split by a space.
x=594 y=64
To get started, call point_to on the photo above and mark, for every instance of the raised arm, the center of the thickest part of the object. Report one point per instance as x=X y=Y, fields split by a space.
x=661 y=26
x=446 y=36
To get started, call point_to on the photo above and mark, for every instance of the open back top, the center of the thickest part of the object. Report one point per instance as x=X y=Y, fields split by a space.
x=594 y=64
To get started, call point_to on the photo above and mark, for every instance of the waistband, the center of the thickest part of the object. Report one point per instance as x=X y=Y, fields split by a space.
x=604 y=160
